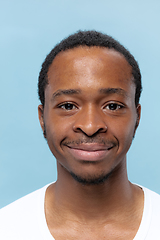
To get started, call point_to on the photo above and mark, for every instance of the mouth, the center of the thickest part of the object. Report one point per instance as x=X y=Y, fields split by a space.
x=90 y=152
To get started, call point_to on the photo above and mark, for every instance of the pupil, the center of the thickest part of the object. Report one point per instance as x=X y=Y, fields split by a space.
x=69 y=106
x=113 y=106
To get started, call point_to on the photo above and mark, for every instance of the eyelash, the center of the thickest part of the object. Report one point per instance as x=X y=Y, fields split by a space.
x=62 y=106
x=114 y=106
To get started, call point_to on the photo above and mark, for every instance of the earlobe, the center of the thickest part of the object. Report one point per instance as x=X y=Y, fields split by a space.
x=40 y=115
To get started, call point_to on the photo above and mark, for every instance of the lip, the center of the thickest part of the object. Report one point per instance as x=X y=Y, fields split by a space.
x=90 y=152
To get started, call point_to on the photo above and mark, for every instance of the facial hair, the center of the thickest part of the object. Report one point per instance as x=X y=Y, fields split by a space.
x=91 y=181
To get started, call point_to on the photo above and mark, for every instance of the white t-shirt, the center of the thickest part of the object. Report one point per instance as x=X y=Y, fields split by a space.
x=24 y=219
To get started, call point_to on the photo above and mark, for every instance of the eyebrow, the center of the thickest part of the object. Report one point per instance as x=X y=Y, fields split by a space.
x=65 y=92
x=109 y=91
x=106 y=91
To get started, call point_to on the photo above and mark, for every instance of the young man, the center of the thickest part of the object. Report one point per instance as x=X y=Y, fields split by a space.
x=89 y=87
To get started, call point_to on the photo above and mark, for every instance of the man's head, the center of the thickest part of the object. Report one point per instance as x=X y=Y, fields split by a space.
x=88 y=38
x=90 y=113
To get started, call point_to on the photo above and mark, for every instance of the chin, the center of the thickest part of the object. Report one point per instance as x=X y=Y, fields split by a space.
x=91 y=180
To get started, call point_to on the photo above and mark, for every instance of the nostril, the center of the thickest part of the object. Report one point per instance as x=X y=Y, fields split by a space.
x=104 y=129
x=90 y=131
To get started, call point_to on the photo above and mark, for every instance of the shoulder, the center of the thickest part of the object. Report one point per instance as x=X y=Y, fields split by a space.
x=153 y=197
x=21 y=214
x=149 y=227
x=23 y=204
x=152 y=218
x=152 y=202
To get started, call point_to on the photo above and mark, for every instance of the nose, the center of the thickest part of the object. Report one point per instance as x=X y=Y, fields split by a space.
x=90 y=121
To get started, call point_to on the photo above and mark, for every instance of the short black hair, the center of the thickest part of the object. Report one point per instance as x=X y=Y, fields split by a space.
x=88 y=38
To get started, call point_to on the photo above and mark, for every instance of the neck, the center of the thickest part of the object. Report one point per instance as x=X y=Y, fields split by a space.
x=69 y=197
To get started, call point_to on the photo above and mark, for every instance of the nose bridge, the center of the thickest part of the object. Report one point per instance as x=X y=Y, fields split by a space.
x=90 y=120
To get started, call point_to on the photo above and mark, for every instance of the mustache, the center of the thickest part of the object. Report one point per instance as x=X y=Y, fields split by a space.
x=90 y=140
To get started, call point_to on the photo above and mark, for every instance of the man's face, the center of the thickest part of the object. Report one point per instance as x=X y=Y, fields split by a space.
x=89 y=114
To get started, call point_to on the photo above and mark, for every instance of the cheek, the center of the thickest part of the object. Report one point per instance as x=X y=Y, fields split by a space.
x=124 y=133
x=56 y=131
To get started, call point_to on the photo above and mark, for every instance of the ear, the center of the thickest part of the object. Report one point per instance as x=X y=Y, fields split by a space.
x=40 y=115
x=138 y=115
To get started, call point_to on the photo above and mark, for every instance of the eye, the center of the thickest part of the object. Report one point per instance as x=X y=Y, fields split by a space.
x=67 y=106
x=114 y=106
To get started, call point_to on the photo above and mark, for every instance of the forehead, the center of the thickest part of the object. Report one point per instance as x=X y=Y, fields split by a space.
x=91 y=67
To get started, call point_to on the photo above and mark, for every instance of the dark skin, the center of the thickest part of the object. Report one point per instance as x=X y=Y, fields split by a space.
x=90 y=119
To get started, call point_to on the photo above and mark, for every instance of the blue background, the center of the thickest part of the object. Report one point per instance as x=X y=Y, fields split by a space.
x=29 y=30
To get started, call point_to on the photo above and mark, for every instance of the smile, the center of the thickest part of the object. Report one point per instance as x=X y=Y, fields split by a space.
x=89 y=152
